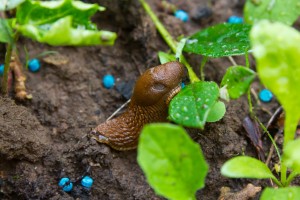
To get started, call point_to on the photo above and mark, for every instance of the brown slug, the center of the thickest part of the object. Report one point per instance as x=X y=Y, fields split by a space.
x=152 y=93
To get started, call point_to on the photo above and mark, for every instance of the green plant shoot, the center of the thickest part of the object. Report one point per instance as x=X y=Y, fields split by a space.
x=172 y=162
x=278 y=67
x=64 y=22
x=274 y=10
x=237 y=80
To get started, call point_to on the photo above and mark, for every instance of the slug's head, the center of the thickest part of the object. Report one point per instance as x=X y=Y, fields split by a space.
x=158 y=83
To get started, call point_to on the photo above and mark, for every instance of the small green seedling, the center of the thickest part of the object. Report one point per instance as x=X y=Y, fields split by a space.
x=199 y=102
x=172 y=162
x=57 y=23
x=164 y=152
x=276 y=49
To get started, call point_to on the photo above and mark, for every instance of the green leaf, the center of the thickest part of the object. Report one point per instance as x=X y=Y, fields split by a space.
x=274 y=10
x=217 y=112
x=64 y=22
x=291 y=155
x=276 y=49
x=6 y=33
x=246 y=167
x=9 y=4
x=220 y=40
x=165 y=57
x=191 y=106
x=237 y=80
x=289 y=193
x=172 y=162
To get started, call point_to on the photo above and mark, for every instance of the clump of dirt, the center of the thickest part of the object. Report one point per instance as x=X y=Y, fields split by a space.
x=44 y=139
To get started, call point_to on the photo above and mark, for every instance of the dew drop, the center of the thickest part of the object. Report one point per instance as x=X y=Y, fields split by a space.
x=184 y=108
x=192 y=41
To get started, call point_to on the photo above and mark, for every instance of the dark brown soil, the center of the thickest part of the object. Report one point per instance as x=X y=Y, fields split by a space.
x=43 y=139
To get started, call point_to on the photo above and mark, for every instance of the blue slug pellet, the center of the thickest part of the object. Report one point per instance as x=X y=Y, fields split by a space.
x=1 y=69
x=87 y=182
x=182 y=85
x=34 y=65
x=182 y=15
x=265 y=95
x=235 y=20
x=65 y=184
x=108 y=81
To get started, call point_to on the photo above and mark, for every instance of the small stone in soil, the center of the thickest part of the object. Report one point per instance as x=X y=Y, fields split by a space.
x=65 y=184
x=1 y=69
x=201 y=13
x=108 y=81
x=235 y=20
x=265 y=95
x=34 y=65
x=125 y=88
x=182 y=15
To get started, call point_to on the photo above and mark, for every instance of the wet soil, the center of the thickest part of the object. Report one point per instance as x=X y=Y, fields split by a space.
x=44 y=139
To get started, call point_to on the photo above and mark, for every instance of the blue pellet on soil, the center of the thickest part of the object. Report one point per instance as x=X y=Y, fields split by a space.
x=182 y=15
x=108 y=81
x=34 y=65
x=265 y=95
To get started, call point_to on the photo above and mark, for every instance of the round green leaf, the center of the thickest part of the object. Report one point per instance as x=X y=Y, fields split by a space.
x=190 y=107
x=172 y=162
x=220 y=40
x=289 y=193
x=237 y=80
x=246 y=167
x=282 y=11
x=217 y=112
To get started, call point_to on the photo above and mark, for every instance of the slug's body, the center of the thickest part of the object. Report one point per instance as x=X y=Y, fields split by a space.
x=149 y=103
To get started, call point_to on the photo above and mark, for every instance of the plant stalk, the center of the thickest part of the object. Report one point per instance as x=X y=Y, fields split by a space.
x=6 y=69
x=247 y=59
x=290 y=125
x=168 y=39
x=291 y=177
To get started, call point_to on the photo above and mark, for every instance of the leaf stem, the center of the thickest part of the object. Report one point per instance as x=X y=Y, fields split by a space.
x=290 y=125
x=269 y=135
x=247 y=59
x=291 y=177
x=277 y=182
x=6 y=69
x=250 y=102
x=168 y=39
